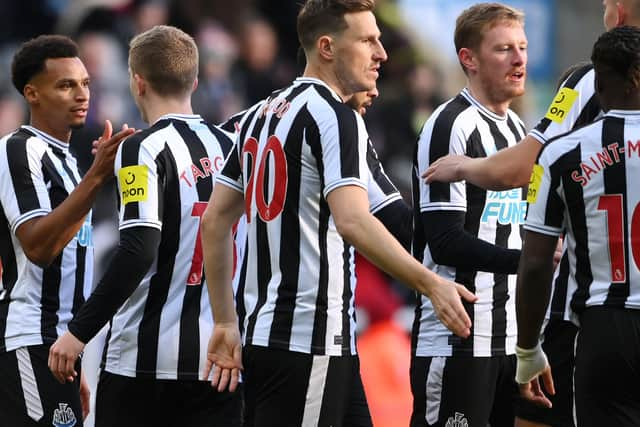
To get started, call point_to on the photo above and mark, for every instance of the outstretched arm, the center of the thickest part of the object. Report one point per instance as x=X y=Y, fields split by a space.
x=349 y=206
x=508 y=168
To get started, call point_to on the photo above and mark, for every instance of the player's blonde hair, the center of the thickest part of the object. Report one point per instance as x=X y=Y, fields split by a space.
x=476 y=20
x=167 y=58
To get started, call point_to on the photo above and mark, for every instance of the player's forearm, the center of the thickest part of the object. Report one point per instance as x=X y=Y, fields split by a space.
x=506 y=169
x=44 y=238
x=218 y=264
x=134 y=256
x=533 y=291
x=223 y=210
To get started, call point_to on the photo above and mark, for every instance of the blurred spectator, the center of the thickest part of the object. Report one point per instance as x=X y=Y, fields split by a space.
x=215 y=98
x=12 y=111
x=260 y=70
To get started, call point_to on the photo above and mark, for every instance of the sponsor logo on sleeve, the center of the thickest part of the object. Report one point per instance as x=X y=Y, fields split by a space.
x=561 y=104
x=133 y=183
x=534 y=183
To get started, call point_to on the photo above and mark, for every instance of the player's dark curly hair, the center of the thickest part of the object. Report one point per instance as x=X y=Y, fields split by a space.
x=30 y=58
x=618 y=51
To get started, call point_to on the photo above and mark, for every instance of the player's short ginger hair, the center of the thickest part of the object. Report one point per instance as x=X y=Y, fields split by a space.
x=476 y=20
x=319 y=17
x=167 y=58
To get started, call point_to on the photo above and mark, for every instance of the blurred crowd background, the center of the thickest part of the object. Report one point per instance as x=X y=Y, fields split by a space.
x=248 y=48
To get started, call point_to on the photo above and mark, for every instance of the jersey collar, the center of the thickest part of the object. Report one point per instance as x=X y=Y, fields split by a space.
x=624 y=113
x=54 y=142
x=181 y=117
x=467 y=94
x=315 y=81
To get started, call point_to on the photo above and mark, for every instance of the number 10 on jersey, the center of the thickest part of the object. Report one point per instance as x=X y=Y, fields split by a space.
x=273 y=157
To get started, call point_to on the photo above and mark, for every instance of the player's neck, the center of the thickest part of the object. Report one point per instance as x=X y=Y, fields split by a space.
x=328 y=76
x=156 y=107
x=481 y=95
x=54 y=129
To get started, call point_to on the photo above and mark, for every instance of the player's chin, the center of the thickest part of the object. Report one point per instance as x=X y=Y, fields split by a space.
x=78 y=124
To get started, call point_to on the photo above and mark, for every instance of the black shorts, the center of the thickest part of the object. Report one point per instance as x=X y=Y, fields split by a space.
x=290 y=389
x=147 y=402
x=558 y=345
x=607 y=374
x=31 y=396
x=457 y=391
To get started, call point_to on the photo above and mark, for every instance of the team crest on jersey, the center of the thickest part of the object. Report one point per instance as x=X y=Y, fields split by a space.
x=63 y=416
x=458 y=420
x=561 y=104
x=133 y=183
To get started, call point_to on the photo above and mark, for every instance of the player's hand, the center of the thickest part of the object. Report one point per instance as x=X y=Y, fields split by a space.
x=445 y=169
x=533 y=366
x=63 y=355
x=105 y=149
x=85 y=397
x=446 y=299
x=224 y=357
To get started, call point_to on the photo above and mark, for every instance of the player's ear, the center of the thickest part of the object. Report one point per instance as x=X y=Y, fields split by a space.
x=140 y=84
x=195 y=85
x=30 y=93
x=326 y=47
x=467 y=59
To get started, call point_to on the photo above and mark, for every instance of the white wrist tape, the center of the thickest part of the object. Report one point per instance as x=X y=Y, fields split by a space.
x=531 y=362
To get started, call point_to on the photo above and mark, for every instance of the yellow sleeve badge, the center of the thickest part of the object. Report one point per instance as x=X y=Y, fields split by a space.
x=561 y=104
x=534 y=183
x=133 y=183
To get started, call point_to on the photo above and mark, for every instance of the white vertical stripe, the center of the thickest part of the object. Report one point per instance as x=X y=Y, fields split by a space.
x=29 y=384
x=315 y=391
x=434 y=389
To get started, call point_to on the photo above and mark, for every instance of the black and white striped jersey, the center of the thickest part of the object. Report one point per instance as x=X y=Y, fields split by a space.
x=165 y=177
x=298 y=279
x=586 y=183
x=463 y=126
x=37 y=173
x=574 y=105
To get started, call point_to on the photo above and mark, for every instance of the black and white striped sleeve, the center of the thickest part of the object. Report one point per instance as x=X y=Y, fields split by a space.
x=24 y=194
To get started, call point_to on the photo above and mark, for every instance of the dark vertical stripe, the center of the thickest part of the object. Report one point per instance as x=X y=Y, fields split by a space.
x=50 y=299
x=78 y=290
x=561 y=285
x=224 y=142
x=289 y=256
x=377 y=171
x=189 y=344
x=241 y=309
x=318 y=340
x=18 y=161
x=439 y=144
x=169 y=203
x=516 y=129
x=615 y=182
x=347 y=134
x=575 y=204
x=347 y=262
x=263 y=261
x=501 y=282
x=476 y=199
x=417 y=321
